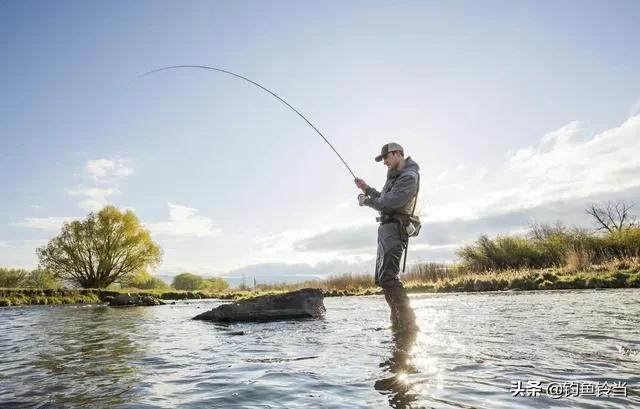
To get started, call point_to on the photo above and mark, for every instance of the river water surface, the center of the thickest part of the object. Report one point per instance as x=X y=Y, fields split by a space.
x=471 y=351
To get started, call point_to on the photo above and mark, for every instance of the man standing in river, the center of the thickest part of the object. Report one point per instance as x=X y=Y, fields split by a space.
x=395 y=203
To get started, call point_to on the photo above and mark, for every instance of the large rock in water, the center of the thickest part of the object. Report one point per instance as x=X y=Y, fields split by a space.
x=305 y=303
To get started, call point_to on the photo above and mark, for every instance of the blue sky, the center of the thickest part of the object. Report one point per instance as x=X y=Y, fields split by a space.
x=515 y=111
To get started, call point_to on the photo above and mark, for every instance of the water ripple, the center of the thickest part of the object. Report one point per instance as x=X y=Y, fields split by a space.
x=470 y=350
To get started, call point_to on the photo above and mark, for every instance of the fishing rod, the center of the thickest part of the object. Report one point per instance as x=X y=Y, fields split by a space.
x=263 y=88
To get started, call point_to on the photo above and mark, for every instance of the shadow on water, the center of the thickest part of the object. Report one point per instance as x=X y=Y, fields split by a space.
x=397 y=386
x=89 y=354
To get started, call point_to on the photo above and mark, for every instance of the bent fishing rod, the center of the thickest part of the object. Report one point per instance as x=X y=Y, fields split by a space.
x=263 y=88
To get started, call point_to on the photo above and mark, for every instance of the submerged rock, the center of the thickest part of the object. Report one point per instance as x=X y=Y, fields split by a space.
x=123 y=300
x=305 y=303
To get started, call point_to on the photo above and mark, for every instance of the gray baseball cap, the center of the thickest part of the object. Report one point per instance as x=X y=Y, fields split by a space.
x=390 y=147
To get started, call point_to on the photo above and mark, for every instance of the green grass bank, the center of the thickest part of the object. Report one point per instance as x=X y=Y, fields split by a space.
x=509 y=280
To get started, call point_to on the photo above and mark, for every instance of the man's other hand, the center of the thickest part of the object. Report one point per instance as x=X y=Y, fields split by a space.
x=361 y=199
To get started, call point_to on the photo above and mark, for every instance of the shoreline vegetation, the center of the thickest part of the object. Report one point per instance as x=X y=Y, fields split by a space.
x=547 y=257
x=623 y=275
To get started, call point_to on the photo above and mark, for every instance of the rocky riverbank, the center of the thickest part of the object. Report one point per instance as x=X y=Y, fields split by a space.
x=33 y=296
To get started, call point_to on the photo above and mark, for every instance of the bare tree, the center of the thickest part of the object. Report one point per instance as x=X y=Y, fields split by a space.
x=612 y=217
x=543 y=231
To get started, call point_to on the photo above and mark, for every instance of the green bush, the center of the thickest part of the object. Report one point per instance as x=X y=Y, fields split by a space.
x=193 y=282
x=215 y=284
x=546 y=247
x=501 y=253
x=187 y=282
x=42 y=279
x=13 y=277
x=143 y=281
x=620 y=243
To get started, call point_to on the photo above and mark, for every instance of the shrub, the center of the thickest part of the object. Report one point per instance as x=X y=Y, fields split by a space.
x=621 y=243
x=216 y=284
x=13 y=277
x=426 y=271
x=188 y=282
x=144 y=281
x=551 y=246
x=40 y=278
x=578 y=260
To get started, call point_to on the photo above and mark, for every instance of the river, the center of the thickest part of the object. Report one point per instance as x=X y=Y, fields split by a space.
x=474 y=350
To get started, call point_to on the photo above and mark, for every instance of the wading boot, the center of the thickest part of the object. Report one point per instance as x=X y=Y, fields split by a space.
x=405 y=318
x=393 y=314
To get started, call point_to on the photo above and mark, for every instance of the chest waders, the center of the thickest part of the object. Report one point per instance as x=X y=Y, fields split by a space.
x=409 y=224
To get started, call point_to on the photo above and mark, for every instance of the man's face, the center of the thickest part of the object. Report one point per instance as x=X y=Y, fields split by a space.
x=392 y=159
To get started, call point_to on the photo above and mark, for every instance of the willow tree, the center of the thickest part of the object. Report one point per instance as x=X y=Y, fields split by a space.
x=103 y=248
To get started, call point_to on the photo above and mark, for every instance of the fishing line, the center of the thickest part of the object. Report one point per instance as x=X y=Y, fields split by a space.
x=262 y=87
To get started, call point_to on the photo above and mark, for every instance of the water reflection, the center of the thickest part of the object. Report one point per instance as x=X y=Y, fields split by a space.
x=399 y=365
x=90 y=353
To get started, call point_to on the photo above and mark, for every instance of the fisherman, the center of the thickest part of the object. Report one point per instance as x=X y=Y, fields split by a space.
x=396 y=202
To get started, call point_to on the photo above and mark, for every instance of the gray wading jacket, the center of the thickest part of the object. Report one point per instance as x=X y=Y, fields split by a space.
x=399 y=192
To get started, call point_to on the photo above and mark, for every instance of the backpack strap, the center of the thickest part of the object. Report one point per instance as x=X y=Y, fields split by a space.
x=415 y=201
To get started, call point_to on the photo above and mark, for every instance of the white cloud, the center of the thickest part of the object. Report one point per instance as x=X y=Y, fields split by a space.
x=108 y=170
x=104 y=176
x=560 y=167
x=94 y=198
x=4 y=244
x=44 y=223
x=184 y=221
x=558 y=137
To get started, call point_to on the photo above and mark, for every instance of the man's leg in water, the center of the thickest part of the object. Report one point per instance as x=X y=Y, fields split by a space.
x=390 y=248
